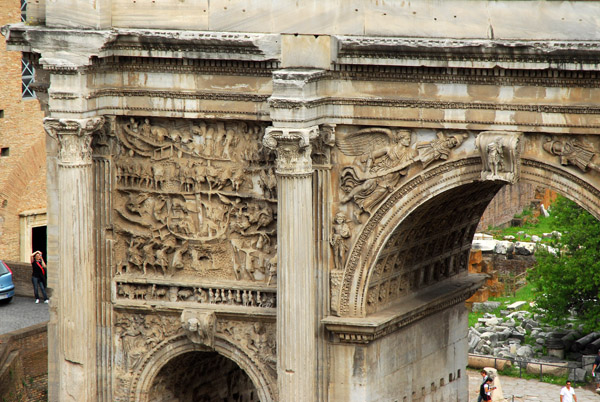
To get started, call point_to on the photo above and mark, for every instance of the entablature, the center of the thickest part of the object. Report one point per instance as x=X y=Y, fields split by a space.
x=434 y=299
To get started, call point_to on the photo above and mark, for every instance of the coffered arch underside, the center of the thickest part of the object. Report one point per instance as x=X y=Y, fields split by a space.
x=378 y=231
x=178 y=345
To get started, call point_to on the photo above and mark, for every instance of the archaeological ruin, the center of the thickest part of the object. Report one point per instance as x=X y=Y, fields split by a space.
x=275 y=201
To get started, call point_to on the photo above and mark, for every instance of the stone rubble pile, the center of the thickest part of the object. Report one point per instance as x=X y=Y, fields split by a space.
x=504 y=337
x=508 y=246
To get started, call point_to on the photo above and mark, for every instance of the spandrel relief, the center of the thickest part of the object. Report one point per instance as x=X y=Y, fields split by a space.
x=574 y=153
x=194 y=199
x=382 y=157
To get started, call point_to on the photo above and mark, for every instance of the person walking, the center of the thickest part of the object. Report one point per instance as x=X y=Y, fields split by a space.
x=484 y=376
x=38 y=275
x=596 y=372
x=567 y=393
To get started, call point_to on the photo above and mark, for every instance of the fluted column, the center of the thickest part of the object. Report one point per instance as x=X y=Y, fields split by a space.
x=296 y=275
x=74 y=299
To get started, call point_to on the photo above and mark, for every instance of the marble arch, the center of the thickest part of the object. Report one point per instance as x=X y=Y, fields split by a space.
x=208 y=155
x=178 y=345
x=408 y=198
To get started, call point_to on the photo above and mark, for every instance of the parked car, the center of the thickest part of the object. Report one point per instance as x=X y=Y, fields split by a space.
x=7 y=287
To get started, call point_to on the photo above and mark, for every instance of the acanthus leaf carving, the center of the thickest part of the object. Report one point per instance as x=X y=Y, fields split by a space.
x=293 y=148
x=74 y=137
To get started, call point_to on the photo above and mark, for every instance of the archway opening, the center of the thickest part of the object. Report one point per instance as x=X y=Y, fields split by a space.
x=430 y=245
x=202 y=377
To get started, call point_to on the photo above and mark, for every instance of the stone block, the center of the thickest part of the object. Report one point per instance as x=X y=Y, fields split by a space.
x=554 y=369
x=516 y=305
x=525 y=351
x=307 y=51
x=480 y=362
x=577 y=375
x=480 y=296
x=524 y=248
x=487 y=306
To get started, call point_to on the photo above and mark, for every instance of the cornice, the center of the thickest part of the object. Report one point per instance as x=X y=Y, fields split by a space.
x=479 y=53
x=181 y=66
x=406 y=311
x=478 y=76
x=282 y=103
x=220 y=96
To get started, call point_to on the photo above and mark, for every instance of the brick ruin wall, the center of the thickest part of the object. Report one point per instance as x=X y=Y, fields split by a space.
x=23 y=170
x=24 y=364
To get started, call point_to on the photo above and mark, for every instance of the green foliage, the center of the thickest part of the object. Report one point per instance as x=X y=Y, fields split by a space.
x=537 y=226
x=569 y=282
x=513 y=371
x=525 y=293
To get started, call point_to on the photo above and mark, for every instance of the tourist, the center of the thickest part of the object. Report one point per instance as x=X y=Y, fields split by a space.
x=38 y=275
x=485 y=391
x=567 y=394
x=596 y=371
x=484 y=376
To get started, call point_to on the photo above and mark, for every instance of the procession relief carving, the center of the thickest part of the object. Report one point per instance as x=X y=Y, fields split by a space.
x=138 y=337
x=236 y=295
x=573 y=152
x=194 y=199
x=500 y=153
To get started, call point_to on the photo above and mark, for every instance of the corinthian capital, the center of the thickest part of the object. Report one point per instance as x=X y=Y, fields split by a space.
x=74 y=138
x=293 y=148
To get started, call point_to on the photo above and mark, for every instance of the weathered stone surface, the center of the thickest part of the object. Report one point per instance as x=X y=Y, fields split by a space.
x=358 y=203
x=487 y=306
x=516 y=305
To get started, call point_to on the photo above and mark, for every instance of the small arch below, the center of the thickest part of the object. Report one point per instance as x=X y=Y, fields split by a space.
x=203 y=377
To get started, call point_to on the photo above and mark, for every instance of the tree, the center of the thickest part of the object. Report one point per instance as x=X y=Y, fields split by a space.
x=568 y=282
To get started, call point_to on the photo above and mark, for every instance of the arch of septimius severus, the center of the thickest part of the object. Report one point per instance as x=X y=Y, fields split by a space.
x=275 y=200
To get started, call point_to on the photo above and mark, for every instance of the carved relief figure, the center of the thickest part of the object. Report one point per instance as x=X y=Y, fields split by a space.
x=439 y=148
x=340 y=232
x=200 y=327
x=194 y=198
x=384 y=158
x=573 y=152
x=500 y=154
x=495 y=158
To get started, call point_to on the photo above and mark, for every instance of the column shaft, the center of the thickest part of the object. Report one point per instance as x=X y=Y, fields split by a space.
x=296 y=274
x=296 y=286
x=75 y=295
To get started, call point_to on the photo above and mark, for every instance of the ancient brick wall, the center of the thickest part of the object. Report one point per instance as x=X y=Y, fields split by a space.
x=22 y=138
x=24 y=361
x=509 y=201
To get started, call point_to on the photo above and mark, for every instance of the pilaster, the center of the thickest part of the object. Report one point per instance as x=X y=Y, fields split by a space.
x=296 y=276
x=75 y=295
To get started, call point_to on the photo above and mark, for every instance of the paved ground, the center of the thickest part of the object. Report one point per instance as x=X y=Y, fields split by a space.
x=528 y=390
x=22 y=312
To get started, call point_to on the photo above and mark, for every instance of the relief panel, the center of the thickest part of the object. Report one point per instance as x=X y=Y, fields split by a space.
x=194 y=199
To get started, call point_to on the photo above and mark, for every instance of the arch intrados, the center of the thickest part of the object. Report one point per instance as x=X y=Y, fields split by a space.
x=416 y=191
x=179 y=345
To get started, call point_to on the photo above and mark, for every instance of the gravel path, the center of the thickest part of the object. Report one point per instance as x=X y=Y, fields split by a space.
x=22 y=312
x=528 y=390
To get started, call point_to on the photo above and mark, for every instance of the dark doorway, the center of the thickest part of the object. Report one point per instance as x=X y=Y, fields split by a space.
x=202 y=377
x=38 y=240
